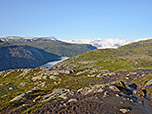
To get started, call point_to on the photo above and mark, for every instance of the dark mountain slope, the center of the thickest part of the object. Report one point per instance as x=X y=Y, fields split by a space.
x=13 y=57
x=51 y=45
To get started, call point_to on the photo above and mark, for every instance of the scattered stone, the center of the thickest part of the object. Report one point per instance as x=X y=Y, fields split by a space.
x=23 y=83
x=106 y=94
x=121 y=102
x=10 y=88
x=93 y=75
x=25 y=72
x=37 y=78
x=127 y=78
x=114 y=88
x=124 y=111
x=53 y=77
x=72 y=100
x=44 y=77
x=117 y=95
x=99 y=75
x=9 y=72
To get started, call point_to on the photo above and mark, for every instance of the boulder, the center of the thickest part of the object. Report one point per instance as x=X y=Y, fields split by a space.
x=124 y=111
x=60 y=92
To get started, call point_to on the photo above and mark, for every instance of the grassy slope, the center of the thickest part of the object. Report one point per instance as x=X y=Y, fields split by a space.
x=132 y=56
x=14 y=79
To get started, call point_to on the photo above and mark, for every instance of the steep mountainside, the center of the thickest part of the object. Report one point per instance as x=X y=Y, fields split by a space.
x=13 y=57
x=51 y=45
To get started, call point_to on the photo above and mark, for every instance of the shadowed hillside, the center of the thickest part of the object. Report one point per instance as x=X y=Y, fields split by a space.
x=13 y=57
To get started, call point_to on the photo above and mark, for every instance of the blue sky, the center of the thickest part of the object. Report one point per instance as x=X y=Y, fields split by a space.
x=76 y=19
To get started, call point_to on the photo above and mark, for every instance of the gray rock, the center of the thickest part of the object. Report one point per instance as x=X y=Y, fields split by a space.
x=53 y=77
x=106 y=94
x=149 y=83
x=93 y=75
x=114 y=88
x=23 y=83
x=124 y=111
x=19 y=97
x=72 y=100
x=99 y=75
x=37 y=78
x=45 y=77
x=60 y=92
x=11 y=88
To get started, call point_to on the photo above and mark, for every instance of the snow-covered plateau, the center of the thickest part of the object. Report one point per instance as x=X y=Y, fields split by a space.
x=105 y=43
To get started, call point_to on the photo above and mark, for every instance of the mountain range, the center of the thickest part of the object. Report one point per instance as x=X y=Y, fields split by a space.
x=30 y=52
x=50 y=44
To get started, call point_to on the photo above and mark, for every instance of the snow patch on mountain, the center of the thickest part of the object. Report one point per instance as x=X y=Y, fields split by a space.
x=104 y=43
x=28 y=38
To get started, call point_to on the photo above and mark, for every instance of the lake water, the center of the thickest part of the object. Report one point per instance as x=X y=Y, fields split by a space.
x=49 y=64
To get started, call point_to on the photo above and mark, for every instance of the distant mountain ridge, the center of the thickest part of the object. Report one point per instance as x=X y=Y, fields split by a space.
x=104 y=43
x=50 y=44
x=27 y=38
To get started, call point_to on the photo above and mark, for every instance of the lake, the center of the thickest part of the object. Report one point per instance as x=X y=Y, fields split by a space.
x=50 y=64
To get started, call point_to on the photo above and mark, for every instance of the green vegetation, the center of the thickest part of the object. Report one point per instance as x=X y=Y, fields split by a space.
x=13 y=83
x=54 y=46
x=132 y=56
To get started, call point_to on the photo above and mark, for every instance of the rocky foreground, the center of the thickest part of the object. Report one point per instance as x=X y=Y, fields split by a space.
x=92 y=91
x=98 y=99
